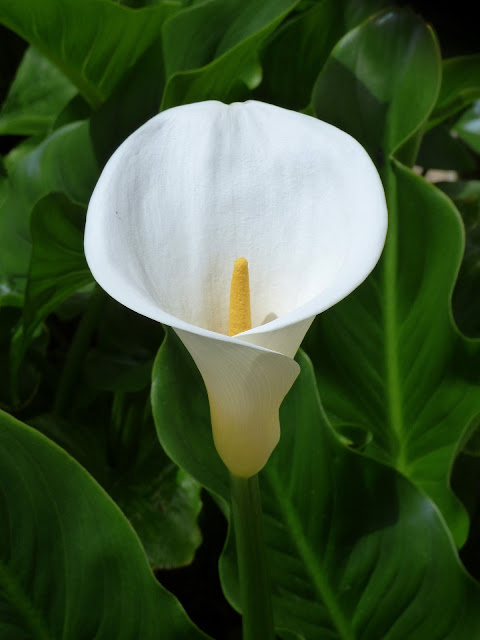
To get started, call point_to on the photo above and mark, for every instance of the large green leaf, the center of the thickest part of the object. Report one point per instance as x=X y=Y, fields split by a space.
x=37 y=96
x=389 y=358
x=70 y=564
x=93 y=42
x=381 y=82
x=460 y=86
x=212 y=48
x=288 y=79
x=63 y=162
x=121 y=451
x=350 y=543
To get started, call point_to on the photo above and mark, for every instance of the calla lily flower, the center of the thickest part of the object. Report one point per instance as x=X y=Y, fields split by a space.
x=201 y=185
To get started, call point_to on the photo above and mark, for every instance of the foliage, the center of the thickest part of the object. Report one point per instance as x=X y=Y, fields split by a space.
x=365 y=535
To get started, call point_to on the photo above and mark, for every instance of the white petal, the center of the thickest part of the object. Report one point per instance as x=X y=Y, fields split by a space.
x=200 y=185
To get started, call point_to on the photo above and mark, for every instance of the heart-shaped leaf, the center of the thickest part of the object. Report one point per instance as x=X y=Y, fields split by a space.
x=349 y=541
x=389 y=358
x=70 y=564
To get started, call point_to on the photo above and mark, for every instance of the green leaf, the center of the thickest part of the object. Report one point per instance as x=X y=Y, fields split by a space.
x=57 y=267
x=468 y=127
x=122 y=453
x=18 y=395
x=136 y=99
x=465 y=300
x=64 y=162
x=71 y=566
x=390 y=359
x=369 y=87
x=93 y=42
x=288 y=79
x=124 y=351
x=349 y=541
x=38 y=94
x=161 y=501
x=212 y=48
x=460 y=86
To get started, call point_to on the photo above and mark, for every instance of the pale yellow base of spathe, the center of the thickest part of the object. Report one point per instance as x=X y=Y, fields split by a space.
x=245 y=443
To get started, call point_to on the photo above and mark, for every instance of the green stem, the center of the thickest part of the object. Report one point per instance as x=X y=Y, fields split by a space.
x=255 y=591
x=76 y=353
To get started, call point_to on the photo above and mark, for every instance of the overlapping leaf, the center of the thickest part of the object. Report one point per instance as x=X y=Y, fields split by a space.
x=211 y=49
x=63 y=162
x=93 y=42
x=389 y=358
x=369 y=85
x=58 y=267
x=350 y=542
x=70 y=564
x=122 y=453
x=288 y=79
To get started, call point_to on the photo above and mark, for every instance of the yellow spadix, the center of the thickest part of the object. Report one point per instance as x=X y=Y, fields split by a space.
x=240 y=316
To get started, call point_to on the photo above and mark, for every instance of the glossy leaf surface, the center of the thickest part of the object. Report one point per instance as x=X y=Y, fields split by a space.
x=63 y=162
x=93 y=42
x=369 y=85
x=36 y=97
x=53 y=590
x=350 y=542
x=209 y=64
x=389 y=358
x=122 y=453
x=58 y=267
x=288 y=79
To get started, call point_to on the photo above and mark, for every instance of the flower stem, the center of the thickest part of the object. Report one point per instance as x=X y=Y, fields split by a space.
x=77 y=351
x=255 y=591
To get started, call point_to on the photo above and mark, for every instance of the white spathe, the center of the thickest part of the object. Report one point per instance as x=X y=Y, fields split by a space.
x=200 y=185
